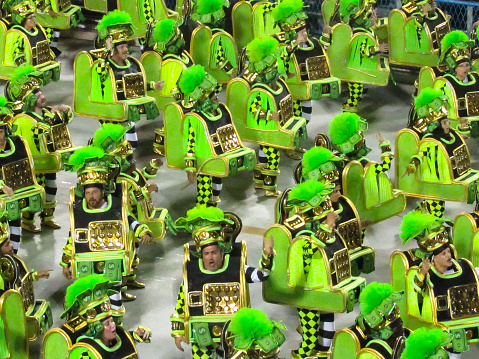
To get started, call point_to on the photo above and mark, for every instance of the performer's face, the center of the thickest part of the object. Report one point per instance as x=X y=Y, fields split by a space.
x=443 y=260
x=7 y=248
x=94 y=197
x=30 y=22
x=445 y=125
x=462 y=70
x=212 y=258
x=41 y=100
x=2 y=134
x=109 y=330
x=121 y=51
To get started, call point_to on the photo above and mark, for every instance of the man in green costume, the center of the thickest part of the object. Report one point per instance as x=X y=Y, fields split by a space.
x=214 y=274
x=39 y=125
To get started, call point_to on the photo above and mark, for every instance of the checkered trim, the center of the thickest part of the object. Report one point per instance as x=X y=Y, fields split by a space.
x=273 y=155
x=387 y=158
x=204 y=189
x=308 y=321
x=355 y=94
x=148 y=11
x=190 y=146
x=203 y=352
x=180 y=302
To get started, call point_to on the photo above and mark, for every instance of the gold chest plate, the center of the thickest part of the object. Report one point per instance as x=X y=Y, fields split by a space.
x=105 y=235
x=317 y=67
x=472 y=103
x=134 y=85
x=464 y=301
x=221 y=298
x=228 y=138
x=461 y=161
x=341 y=265
x=26 y=291
x=441 y=31
x=351 y=233
x=60 y=137
x=41 y=52
x=286 y=108
x=17 y=174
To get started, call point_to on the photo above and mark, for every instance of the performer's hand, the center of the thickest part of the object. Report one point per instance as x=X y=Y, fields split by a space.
x=159 y=85
x=275 y=116
x=7 y=190
x=152 y=188
x=191 y=177
x=425 y=266
x=268 y=245
x=157 y=162
x=109 y=44
x=380 y=137
x=44 y=273
x=464 y=122
x=178 y=341
x=60 y=109
x=384 y=47
x=143 y=334
x=146 y=239
x=53 y=14
x=302 y=36
x=327 y=29
x=474 y=26
x=67 y=273
x=331 y=218
x=409 y=171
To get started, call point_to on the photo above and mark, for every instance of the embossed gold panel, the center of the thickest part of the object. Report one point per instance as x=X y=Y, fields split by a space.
x=472 y=103
x=342 y=265
x=221 y=298
x=286 y=107
x=464 y=301
x=105 y=235
x=17 y=174
x=26 y=291
x=461 y=161
x=41 y=52
x=351 y=233
x=228 y=138
x=317 y=67
x=134 y=85
x=61 y=137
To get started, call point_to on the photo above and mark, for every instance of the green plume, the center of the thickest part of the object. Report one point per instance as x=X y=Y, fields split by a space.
x=315 y=157
x=451 y=38
x=249 y=324
x=81 y=285
x=307 y=190
x=344 y=6
x=164 y=30
x=426 y=96
x=424 y=343
x=261 y=47
x=113 y=18
x=23 y=70
x=77 y=159
x=212 y=214
x=209 y=6
x=343 y=126
x=414 y=223
x=3 y=101
x=113 y=130
x=287 y=8
x=373 y=295
x=191 y=78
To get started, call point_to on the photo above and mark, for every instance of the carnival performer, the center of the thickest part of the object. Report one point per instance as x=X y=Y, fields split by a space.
x=45 y=130
x=114 y=31
x=88 y=302
x=215 y=272
x=100 y=203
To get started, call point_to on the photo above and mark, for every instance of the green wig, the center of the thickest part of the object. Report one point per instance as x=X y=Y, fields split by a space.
x=78 y=158
x=261 y=47
x=415 y=222
x=452 y=38
x=315 y=157
x=424 y=343
x=426 y=96
x=164 y=30
x=343 y=126
x=373 y=295
x=192 y=78
x=81 y=285
x=310 y=188
x=249 y=324
x=209 y=6
x=114 y=17
x=113 y=130
x=287 y=8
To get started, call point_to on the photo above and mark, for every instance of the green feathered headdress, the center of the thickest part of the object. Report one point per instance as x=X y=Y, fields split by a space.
x=289 y=15
x=262 y=53
x=209 y=6
x=348 y=8
x=427 y=229
x=5 y=109
x=116 y=24
x=455 y=48
x=109 y=136
x=201 y=216
x=373 y=295
x=18 y=9
x=196 y=82
x=82 y=155
x=453 y=38
x=25 y=80
x=423 y=343
x=165 y=30
x=251 y=326
x=317 y=162
x=344 y=131
x=430 y=105
x=209 y=11
x=311 y=193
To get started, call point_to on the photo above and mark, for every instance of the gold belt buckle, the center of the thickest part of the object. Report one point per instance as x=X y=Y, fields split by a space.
x=195 y=298
x=441 y=302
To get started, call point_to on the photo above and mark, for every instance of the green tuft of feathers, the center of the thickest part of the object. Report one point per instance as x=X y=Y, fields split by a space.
x=78 y=158
x=113 y=130
x=426 y=96
x=80 y=286
x=212 y=214
x=452 y=38
x=343 y=126
x=287 y=8
x=249 y=324
x=164 y=30
x=373 y=295
x=114 y=17
x=23 y=70
x=192 y=78
x=315 y=157
x=345 y=6
x=423 y=343
x=209 y=6
x=261 y=47
x=308 y=189
x=3 y=101
x=414 y=223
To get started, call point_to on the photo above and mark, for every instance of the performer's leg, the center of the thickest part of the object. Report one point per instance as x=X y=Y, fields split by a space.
x=217 y=183
x=355 y=93
x=115 y=299
x=308 y=321
x=325 y=335
x=202 y=352
x=204 y=189
x=271 y=172
x=50 y=201
x=15 y=227
x=131 y=135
